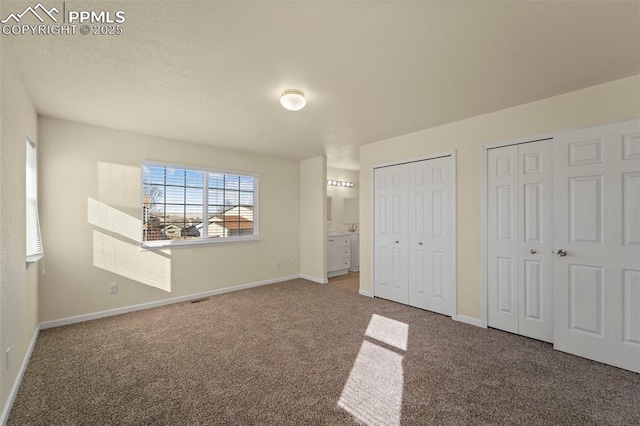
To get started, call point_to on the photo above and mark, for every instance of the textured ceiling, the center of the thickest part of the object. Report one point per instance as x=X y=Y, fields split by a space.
x=212 y=72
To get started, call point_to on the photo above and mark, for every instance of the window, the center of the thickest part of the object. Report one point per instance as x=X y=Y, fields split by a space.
x=182 y=206
x=34 y=239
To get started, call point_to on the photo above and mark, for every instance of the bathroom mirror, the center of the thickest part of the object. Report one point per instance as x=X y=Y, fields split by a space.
x=350 y=210
x=329 y=209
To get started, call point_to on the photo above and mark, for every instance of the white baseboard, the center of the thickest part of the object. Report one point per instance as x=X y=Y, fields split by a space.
x=314 y=279
x=365 y=293
x=149 y=305
x=4 y=416
x=469 y=320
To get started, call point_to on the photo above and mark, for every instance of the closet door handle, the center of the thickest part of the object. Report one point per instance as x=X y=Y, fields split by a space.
x=397 y=242
x=420 y=243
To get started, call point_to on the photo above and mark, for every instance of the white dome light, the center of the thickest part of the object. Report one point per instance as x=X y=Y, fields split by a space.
x=293 y=99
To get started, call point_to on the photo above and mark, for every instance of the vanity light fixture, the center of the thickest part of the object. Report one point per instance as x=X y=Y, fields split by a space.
x=339 y=183
x=293 y=99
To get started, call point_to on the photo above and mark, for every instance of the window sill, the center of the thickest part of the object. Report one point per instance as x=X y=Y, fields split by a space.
x=34 y=259
x=174 y=244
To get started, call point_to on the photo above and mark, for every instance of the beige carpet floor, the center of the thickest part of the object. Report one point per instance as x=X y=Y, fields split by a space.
x=302 y=353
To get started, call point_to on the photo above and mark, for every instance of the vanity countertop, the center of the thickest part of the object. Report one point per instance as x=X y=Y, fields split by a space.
x=341 y=234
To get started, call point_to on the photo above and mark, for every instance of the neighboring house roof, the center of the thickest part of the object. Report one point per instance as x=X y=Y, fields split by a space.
x=236 y=223
x=236 y=217
x=242 y=211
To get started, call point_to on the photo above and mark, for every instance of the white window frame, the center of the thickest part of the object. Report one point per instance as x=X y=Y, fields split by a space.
x=164 y=244
x=34 y=248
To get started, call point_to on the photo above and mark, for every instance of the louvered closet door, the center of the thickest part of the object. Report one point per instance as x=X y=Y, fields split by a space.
x=520 y=289
x=597 y=231
x=430 y=232
x=390 y=233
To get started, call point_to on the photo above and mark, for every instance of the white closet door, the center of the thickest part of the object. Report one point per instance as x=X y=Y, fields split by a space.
x=440 y=221
x=520 y=236
x=420 y=264
x=413 y=232
x=503 y=242
x=390 y=234
x=430 y=235
x=597 y=242
x=535 y=260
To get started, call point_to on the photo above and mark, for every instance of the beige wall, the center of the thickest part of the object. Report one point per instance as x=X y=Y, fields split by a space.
x=90 y=216
x=313 y=225
x=608 y=102
x=337 y=195
x=18 y=286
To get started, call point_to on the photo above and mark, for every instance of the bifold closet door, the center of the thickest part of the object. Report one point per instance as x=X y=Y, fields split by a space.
x=597 y=246
x=430 y=237
x=520 y=288
x=413 y=234
x=502 y=244
x=390 y=233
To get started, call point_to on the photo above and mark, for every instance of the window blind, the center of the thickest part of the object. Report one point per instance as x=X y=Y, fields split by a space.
x=185 y=204
x=34 y=239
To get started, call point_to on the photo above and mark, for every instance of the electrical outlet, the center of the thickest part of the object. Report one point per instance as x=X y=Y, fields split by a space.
x=291 y=262
x=278 y=265
x=7 y=358
x=113 y=288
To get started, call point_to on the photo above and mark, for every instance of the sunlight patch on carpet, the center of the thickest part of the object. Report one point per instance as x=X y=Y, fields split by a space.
x=389 y=331
x=373 y=393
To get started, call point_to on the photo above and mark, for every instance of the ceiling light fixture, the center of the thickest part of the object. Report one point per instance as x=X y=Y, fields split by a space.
x=293 y=99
